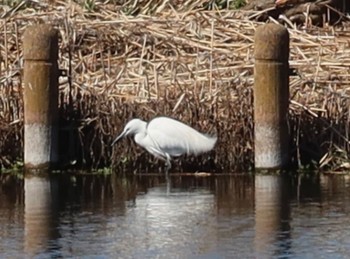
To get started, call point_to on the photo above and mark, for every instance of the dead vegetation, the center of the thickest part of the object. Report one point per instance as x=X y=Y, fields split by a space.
x=193 y=65
x=301 y=12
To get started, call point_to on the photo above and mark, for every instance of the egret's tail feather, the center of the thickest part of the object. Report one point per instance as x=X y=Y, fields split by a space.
x=203 y=144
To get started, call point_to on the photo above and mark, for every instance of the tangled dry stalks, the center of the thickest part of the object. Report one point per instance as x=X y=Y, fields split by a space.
x=193 y=65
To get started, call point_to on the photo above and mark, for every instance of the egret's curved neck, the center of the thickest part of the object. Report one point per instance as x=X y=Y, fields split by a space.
x=141 y=128
x=140 y=131
x=139 y=137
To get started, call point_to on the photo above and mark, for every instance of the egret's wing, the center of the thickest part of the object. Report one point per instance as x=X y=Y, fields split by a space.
x=177 y=138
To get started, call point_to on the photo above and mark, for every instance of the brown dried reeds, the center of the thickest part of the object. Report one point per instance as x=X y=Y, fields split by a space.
x=196 y=66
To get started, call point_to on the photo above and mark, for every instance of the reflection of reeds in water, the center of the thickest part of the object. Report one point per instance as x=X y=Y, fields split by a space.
x=234 y=194
x=196 y=67
x=11 y=190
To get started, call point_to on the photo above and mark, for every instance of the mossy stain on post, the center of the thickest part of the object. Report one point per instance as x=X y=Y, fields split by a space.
x=271 y=97
x=40 y=80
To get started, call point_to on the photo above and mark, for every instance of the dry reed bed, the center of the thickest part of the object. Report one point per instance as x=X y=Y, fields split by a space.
x=196 y=66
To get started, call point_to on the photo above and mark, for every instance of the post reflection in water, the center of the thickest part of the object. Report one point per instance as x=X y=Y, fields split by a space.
x=272 y=216
x=40 y=195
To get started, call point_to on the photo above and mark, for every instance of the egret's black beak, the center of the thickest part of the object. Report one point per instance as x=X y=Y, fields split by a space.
x=118 y=138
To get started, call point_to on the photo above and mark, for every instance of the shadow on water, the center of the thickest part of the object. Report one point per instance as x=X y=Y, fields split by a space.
x=187 y=217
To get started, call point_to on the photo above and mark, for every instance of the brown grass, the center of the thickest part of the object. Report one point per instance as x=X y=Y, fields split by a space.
x=193 y=65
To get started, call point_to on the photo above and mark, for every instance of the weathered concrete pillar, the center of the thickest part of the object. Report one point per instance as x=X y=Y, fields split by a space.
x=271 y=96
x=40 y=50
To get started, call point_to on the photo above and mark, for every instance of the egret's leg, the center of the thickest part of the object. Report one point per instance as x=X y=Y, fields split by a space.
x=168 y=163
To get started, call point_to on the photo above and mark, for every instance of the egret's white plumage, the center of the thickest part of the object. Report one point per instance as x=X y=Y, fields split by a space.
x=164 y=138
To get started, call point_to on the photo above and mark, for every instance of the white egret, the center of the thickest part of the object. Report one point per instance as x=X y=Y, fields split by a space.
x=165 y=138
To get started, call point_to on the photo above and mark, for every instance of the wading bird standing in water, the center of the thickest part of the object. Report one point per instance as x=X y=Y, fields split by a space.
x=165 y=138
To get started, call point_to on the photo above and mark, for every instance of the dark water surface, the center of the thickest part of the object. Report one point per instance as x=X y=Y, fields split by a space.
x=191 y=217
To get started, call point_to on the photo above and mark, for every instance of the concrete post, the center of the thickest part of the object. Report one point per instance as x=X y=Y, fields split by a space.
x=40 y=51
x=271 y=96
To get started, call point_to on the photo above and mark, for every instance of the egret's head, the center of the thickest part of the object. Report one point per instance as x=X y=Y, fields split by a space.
x=131 y=128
